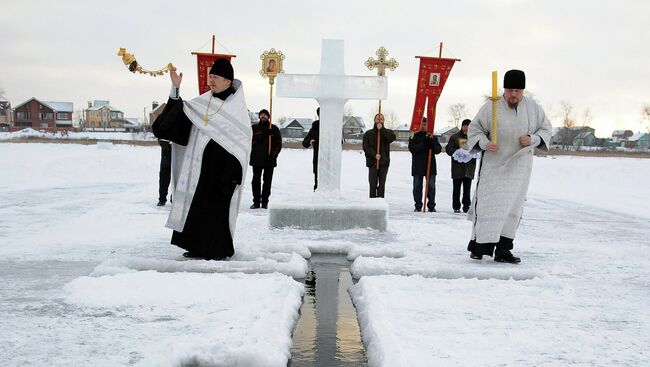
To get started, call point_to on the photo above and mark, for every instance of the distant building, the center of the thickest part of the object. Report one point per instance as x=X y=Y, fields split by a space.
x=131 y=125
x=156 y=110
x=445 y=133
x=353 y=127
x=566 y=136
x=584 y=139
x=295 y=127
x=100 y=114
x=639 y=141
x=40 y=114
x=620 y=135
x=6 y=116
x=403 y=132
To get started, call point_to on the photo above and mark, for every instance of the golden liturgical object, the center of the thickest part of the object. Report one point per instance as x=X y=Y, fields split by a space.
x=133 y=65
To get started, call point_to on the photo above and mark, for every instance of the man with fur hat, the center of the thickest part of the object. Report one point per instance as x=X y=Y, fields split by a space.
x=505 y=168
x=264 y=158
x=463 y=165
x=211 y=137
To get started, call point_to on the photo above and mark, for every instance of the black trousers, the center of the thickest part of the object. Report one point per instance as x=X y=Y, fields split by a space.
x=261 y=192
x=431 y=192
x=467 y=200
x=377 y=180
x=502 y=247
x=165 y=174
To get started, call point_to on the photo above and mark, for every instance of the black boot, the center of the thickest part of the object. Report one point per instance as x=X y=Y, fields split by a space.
x=475 y=256
x=255 y=206
x=506 y=257
x=161 y=203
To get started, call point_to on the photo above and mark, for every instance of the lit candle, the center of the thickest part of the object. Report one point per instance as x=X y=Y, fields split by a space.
x=494 y=84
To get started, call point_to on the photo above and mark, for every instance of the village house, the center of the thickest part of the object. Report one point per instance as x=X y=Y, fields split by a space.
x=445 y=133
x=101 y=115
x=6 y=115
x=37 y=114
x=638 y=141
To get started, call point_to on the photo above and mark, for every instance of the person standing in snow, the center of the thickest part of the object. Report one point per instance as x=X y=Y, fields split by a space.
x=505 y=168
x=462 y=170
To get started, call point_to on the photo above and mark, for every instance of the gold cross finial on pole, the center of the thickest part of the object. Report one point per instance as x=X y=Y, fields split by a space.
x=381 y=64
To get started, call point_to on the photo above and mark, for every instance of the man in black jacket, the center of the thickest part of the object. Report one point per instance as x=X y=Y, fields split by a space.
x=264 y=158
x=311 y=140
x=462 y=172
x=376 y=146
x=421 y=145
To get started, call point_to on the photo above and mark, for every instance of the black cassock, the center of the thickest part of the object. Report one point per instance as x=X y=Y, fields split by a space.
x=206 y=232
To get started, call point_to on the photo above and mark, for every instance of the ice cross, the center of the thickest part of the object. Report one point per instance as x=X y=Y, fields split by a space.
x=332 y=89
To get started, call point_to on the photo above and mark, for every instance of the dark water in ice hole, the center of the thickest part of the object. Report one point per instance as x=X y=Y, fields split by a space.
x=327 y=333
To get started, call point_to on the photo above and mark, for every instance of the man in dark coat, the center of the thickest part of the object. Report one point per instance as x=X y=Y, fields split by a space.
x=378 y=157
x=264 y=158
x=311 y=140
x=164 y=175
x=211 y=135
x=462 y=172
x=420 y=144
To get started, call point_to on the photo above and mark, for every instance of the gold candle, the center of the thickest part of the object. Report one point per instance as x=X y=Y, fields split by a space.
x=494 y=84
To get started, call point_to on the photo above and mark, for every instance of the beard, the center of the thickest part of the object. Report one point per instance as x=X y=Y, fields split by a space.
x=513 y=103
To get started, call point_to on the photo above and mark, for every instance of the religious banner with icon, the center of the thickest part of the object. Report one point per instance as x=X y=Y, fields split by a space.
x=433 y=74
x=204 y=62
x=271 y=64
x=271 y=67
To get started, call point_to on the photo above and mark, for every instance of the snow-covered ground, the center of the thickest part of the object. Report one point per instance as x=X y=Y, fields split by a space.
x=89 y=278
x=85 y=135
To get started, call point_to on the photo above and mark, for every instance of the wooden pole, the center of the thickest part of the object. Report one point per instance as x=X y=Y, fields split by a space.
x=426 y=181
x=495 y=100
x=440 y=52
x=213 y=38
x=271 y=114
x=378 y=147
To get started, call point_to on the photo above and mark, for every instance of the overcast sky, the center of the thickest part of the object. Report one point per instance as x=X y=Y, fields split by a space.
x=592 y=54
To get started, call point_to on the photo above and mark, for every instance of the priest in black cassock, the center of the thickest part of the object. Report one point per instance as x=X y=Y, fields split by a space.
x=210 y=137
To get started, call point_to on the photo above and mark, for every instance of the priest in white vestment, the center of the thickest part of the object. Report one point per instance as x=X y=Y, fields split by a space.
x=505 y=167
x=211 y=137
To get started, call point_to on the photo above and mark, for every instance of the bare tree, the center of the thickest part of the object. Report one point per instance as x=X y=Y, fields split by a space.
x=645 y=116
x=456 y=112
x=390 y=119
x=567 y=109
x=587 y=117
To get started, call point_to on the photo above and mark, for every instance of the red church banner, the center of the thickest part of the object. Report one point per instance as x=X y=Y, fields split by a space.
x=204 y=62
x=432 y=77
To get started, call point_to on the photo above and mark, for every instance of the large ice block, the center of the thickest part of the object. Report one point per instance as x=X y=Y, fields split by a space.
x=321 y=212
